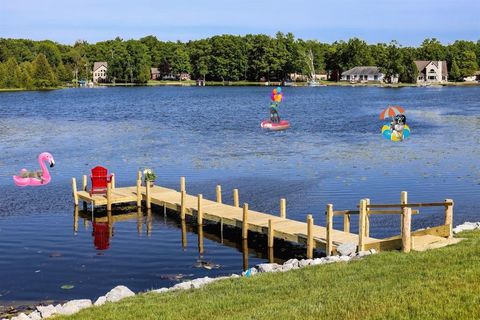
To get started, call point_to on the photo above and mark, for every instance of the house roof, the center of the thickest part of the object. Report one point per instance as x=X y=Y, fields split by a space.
x=154 y=70
x=368 y=70
x=98 y=64
x=422 y=64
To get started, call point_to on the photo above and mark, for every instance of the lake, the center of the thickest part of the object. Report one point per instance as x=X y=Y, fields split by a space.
x=333 y=153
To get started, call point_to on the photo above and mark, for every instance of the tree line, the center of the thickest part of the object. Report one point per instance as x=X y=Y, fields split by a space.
x=43 y=64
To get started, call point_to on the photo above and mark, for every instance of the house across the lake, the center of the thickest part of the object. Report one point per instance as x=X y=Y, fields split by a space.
x=100 y=71
x=155 y=74
x=431 y=71
x=473 y=78
x=364 y=74
x=303 y=78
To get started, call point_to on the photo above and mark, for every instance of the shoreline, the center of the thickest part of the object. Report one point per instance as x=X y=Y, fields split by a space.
x=254 y=84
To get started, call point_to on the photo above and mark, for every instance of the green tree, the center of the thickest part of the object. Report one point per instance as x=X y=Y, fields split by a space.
x=200 y=52
x=11 y=78
x=181 y=62
x=468 y=64
x=43 y=76
x=3 y=73
x=390 y=62
x=432 y=49
x=454 y=74
x=138 y=62
x=64 y=73
x=51 y=52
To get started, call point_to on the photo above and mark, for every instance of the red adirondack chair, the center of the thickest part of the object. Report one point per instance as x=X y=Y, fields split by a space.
x=99 y=178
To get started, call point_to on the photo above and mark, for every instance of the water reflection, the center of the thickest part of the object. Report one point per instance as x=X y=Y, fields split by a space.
x=103 y=227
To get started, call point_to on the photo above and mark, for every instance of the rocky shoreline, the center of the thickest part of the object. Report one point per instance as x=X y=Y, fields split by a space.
x=346 y=253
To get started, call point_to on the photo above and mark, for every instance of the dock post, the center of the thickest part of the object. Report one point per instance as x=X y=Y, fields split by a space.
x=283 y=208
x=245 y=221
x=406 y=233
x=245 y=254
x=139 y=190
x=84 y=182
x=309 y=236
x=149 y=221
x=329 y=244
x=113 y=180
x=147 y=195
x=346 y=223
x=75 y=220
x=270 y=233
x=449 y=217
x=361 y=224
x=84 y=188
x=199 y=210
x=109 y=196
x=367 y=218
x=219 y=193
x=235 y=198
x=403 y=200
x=184 y=235
x=182 y=205
x=74 y=190
x=200 y=240
x=182 y=184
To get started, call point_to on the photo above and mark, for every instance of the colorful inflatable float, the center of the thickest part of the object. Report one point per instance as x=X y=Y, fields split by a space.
x=275 y=126
x=36 y=178
x=395 y=135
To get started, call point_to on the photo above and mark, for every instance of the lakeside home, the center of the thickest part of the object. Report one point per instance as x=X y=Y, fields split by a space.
x=431 y=71
x=295 y=77
x=364 y=74
x=473 y=78
x=100 y=69
x=155 y=74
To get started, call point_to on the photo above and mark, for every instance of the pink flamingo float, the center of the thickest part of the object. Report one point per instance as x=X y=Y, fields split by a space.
x=36 y=178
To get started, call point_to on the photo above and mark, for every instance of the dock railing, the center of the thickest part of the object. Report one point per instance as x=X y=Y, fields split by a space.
x=365 y=209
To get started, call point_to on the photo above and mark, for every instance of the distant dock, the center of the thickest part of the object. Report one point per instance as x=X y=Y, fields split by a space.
x=279 y=226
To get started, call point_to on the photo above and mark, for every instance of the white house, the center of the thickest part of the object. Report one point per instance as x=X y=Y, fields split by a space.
x=431 y=71
x=474 y=78
x=100 y=71
x=364 y=74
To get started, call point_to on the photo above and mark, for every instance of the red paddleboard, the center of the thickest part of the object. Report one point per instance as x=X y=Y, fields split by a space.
x=282 y=125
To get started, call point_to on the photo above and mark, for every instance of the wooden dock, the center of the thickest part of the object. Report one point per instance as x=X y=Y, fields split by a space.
x=280 y=227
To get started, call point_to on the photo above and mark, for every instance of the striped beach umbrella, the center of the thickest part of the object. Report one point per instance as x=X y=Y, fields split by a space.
x=391 y=112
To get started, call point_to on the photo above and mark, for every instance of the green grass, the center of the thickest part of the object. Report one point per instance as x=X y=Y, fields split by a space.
x=438 y=284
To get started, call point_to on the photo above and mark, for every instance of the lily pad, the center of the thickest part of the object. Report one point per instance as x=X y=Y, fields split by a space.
x=67 y=287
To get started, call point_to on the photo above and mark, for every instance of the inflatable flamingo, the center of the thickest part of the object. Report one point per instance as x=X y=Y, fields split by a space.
x=36 y=178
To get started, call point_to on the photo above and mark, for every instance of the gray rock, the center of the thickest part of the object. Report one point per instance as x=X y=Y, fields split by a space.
x=305 y=262
x=346 y=249
x=21 y=316
x=233 y=275
x=318 y=261
x=74 y=306
x=100 y=301
x=35 y=315
x=373 y=251
x=47 y=311
x=161 y=290
x=183 y=286
x=268 y=267
x=293 y=262
x=200 y=282
x=286 y=267
x=332 y=259
x=345 y=258
x=118 y=293
x=363 y=253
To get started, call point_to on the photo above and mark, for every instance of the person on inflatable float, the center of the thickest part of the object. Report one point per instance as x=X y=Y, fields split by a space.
x=274 y=117
x=397 y=125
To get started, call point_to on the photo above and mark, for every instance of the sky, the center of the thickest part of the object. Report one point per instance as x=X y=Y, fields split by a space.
x=407 y=21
